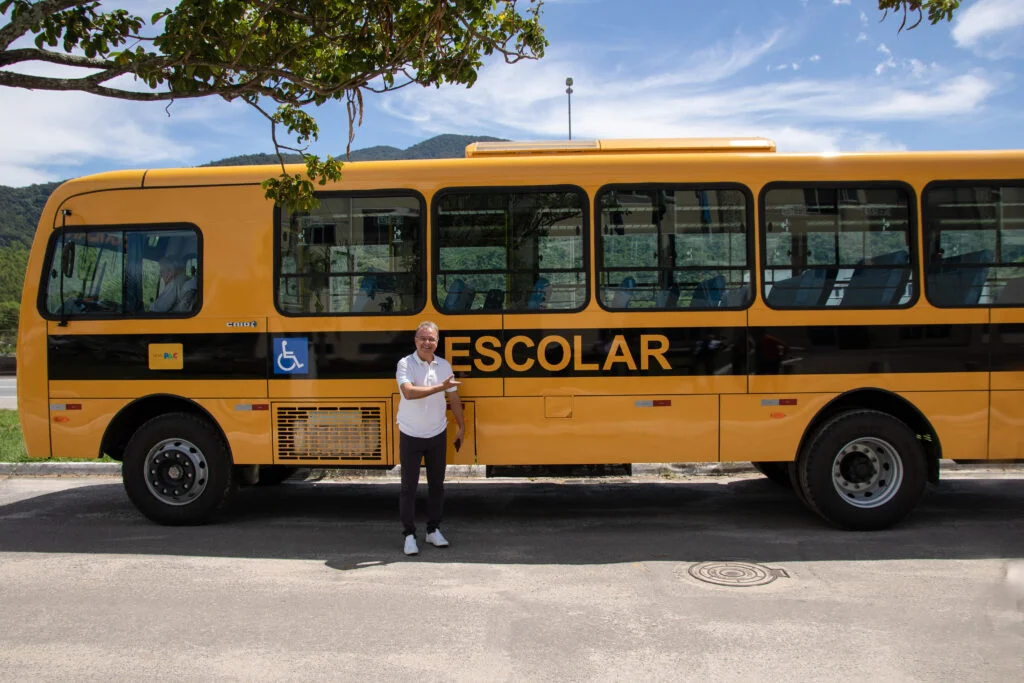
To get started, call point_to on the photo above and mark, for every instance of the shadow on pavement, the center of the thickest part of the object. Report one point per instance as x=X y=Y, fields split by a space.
x=350 y=525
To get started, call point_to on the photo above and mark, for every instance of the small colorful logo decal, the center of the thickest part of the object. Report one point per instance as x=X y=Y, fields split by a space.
x=291 y=355
x=166 y=357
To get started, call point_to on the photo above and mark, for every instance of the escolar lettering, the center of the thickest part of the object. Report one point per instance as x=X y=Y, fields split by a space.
x=555 y=353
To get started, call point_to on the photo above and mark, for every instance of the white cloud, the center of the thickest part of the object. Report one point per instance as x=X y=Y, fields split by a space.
x=62 y=131
x=888 y=63
x=528 y=102
x=994 y=28
x=861 y=37
x=815 y=58
x=840 y=2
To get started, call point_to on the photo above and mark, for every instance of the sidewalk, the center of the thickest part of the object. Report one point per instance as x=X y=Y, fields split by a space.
x=48 y=468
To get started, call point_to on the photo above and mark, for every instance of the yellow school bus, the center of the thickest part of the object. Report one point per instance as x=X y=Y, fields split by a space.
x=843 y=321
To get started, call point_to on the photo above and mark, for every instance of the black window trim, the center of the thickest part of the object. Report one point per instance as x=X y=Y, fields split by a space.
x=389 y=192
x=585 y=232
x=123 y=228
x=952 y=184
x=599 y=268
x=913 y=223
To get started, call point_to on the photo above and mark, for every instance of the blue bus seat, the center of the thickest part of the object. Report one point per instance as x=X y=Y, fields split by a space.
x=708 y=293
x=460 y=296
x=667 y=298
x=958 y=280
x=1012 y=292
x=539 y=296
x=870 y=287
x=624 y=293
x=810 y=288
x=364 y=301
x=494 y=301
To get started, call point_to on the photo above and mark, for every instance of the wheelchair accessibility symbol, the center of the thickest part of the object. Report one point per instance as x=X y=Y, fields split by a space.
x=291 y=356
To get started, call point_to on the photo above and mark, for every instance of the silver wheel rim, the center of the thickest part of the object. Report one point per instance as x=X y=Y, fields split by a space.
x=867 y=472
x=176 y=472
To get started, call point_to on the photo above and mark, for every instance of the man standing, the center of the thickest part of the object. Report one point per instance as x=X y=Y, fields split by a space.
x=423 y=377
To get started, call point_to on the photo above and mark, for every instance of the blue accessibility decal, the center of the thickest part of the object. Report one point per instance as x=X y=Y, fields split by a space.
x=291 y=355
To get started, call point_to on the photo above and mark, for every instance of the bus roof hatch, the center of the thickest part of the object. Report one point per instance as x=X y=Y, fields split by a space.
x=624 y=146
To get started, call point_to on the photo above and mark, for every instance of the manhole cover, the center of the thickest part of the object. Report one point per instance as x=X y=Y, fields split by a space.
x=736 y=574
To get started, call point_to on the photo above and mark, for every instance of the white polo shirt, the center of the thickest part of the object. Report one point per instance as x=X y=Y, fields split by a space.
x=423 y=417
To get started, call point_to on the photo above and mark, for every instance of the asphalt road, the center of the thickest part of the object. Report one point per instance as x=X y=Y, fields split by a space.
x=565 y=580
x=8 y=393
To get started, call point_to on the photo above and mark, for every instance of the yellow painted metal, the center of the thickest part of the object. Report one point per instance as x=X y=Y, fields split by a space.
x=133 y=389
x=960 y=420
x=766 y=433
x=602 y=429
x=558 y=406
x=78 y=433
x=623 y=146
x=247 y=431
x=620 y=386
x=1006 y=436
x=908 y=381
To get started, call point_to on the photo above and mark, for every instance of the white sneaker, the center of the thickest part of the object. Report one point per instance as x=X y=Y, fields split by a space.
x=437 y=540
x=410 y=545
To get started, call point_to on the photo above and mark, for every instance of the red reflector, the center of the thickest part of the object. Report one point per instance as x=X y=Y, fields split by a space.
x=787 y=401
x=61 y=418
x=662 y=403
x=261 y=406
x=73 y=406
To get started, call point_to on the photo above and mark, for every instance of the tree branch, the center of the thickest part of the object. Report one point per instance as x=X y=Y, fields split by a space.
x=37 y=12
x=31 y=54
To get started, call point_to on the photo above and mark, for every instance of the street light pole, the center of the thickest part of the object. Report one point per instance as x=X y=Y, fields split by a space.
x=568 y=93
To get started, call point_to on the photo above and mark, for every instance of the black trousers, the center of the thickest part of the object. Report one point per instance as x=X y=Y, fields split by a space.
x=432 y=451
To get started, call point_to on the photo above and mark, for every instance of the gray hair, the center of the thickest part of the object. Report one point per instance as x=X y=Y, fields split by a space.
x=431 y=325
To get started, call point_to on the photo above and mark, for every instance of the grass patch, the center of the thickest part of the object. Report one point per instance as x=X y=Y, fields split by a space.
x=12 y=443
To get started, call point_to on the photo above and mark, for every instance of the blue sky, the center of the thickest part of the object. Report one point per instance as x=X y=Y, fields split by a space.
x=814 y=75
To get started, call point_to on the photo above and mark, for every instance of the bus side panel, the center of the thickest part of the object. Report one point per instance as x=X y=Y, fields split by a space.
x=76 y=429
x=960 y=420
x=569 y=430
x=759 y=429
x=1006 y=437
x=33 y=403
x=247 y=431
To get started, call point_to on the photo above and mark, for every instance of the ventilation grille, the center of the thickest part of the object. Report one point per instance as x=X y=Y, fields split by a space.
x=330 y=433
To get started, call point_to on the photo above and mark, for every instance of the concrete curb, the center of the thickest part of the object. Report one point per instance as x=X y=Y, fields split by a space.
x=642 y=470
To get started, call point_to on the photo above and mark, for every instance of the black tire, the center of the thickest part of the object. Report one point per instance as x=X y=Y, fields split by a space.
x=177 y=470
x=794 y=484
x=272 y=475
x=777 y=472
x=863 y=470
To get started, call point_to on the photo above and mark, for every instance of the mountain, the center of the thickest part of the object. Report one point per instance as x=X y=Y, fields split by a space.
x=20 y=207
x=439 y=147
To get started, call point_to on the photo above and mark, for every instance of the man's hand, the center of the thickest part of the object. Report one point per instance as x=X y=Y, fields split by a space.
x=450 y=382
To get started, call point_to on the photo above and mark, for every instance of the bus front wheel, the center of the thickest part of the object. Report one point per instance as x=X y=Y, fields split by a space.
x=177 y=469
x=863 y=470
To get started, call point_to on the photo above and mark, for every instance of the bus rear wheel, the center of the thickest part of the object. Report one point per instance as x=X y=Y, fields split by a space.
x=863 y=470
x=177 y=470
